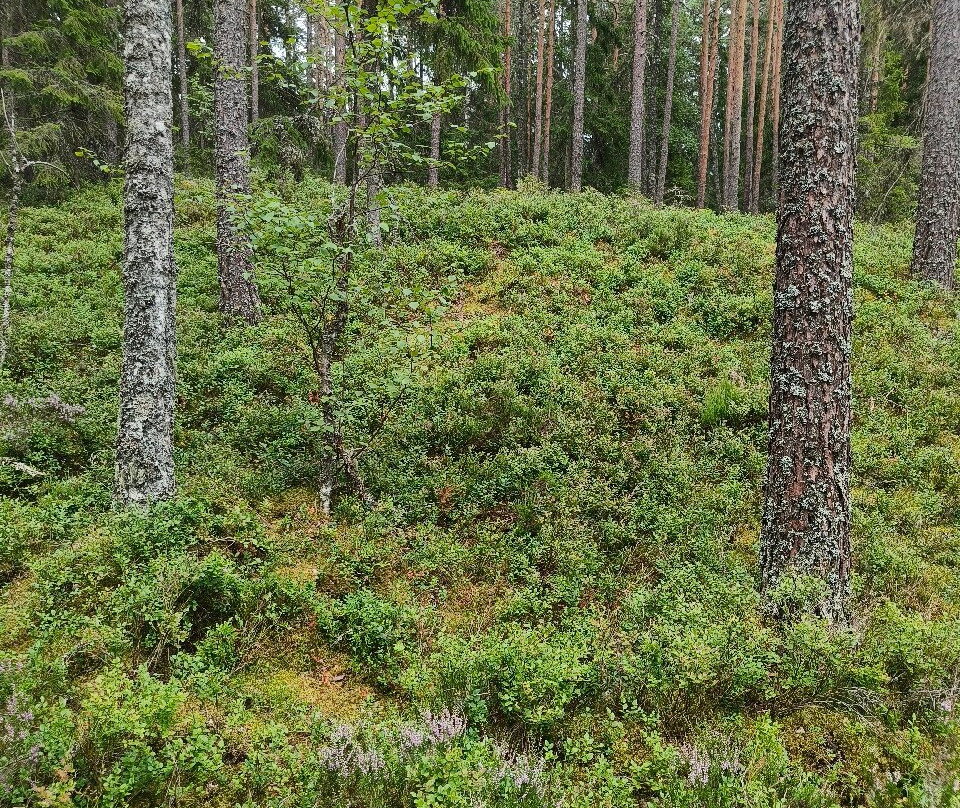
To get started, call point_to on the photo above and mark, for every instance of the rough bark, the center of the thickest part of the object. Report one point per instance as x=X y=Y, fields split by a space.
x=340 y=128
x=144 y=468
x=667 y=104
x=734 y=114
x=238 y=291
x=806 y=519
x=548 y=99
x=538 y=95
x=751 y=108
x=579 y=80
x=254 y=67
x=635 y=162
x=433 y=169
x=506 y=169
x=762 y=117
x=776 y=88
x=938 y=211
x=708 y=72
x=182 y=77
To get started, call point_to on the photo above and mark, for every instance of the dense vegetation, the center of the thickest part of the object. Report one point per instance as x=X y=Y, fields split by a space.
x=561 y=403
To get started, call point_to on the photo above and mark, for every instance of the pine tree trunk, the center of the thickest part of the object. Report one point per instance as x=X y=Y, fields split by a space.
x=144 y=465
x=340 y=128
x=506 y=169
x=708 y=70
x=254 y=67
x=238 y=291
x=433 y=169
x=579 y=82
x=777 y=83
x=667 y=104
x=806 y=518
x=548 y=102
x=182 y=78
x=751 y=108
x=734 y=118
x=876 y=63
x=762 y=117
x=938 y=210
x=635 y=163
x=538 y=95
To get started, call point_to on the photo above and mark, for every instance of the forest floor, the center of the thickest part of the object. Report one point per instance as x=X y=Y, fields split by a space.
x=561 y=404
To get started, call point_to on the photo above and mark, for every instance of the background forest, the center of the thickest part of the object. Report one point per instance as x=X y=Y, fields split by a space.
x=469 y=403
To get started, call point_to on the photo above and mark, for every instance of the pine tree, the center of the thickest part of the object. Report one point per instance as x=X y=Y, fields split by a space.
x=182 y=77
x=548 y=99
x=734 y=110
x=579 y=81
x=762 y=115
x=144 y=467
x=938 y=211
x=709 y=51
x=667 y=104
x=538 y=94
x=238 y=291
x=635 y=162
x=506 y=168
x=806 y=517
x=748 y=203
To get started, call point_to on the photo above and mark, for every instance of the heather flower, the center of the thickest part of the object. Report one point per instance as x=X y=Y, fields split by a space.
x=445 y=726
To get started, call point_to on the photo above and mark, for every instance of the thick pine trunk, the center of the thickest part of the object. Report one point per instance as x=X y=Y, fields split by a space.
x=708 y=71
x=635 y=162
x=734 y=114
x=254 y=67
x=579 y=80
x=182 y=78
x=506 y=169
x=762 y=117
x=667 y=104
x=144 y=468
x=806 y=518
x=548 y=101
x=433 y=170
x=538 y=95
x=238 y=291
x=751 y=108
x=938 y=211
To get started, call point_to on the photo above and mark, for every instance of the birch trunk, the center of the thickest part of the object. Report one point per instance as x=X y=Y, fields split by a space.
x=238 y=291
x=806 y=518
x=144 y=465
x=938 y=211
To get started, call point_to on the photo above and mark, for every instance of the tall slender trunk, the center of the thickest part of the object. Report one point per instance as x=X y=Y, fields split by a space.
x=733 y=125
x=579 y=81
x=182 y=77
x=538 y=95
x=238 y=291
x=751 y=108
x=648 y=147
x=528 y=120
x=708 y=71
x=876 y=64
x=775 y=103
x=548 y=101
x=762 y=118
x=254 y=67
x=667 y=104
x=938 y=210
x=506 y=169
x=144 y=464
x=12 y=217
x=433 y=169
x=635 y=162
x=806 y=515
x=340 y=127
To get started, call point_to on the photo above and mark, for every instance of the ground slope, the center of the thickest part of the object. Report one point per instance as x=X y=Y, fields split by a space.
x=561 y=404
